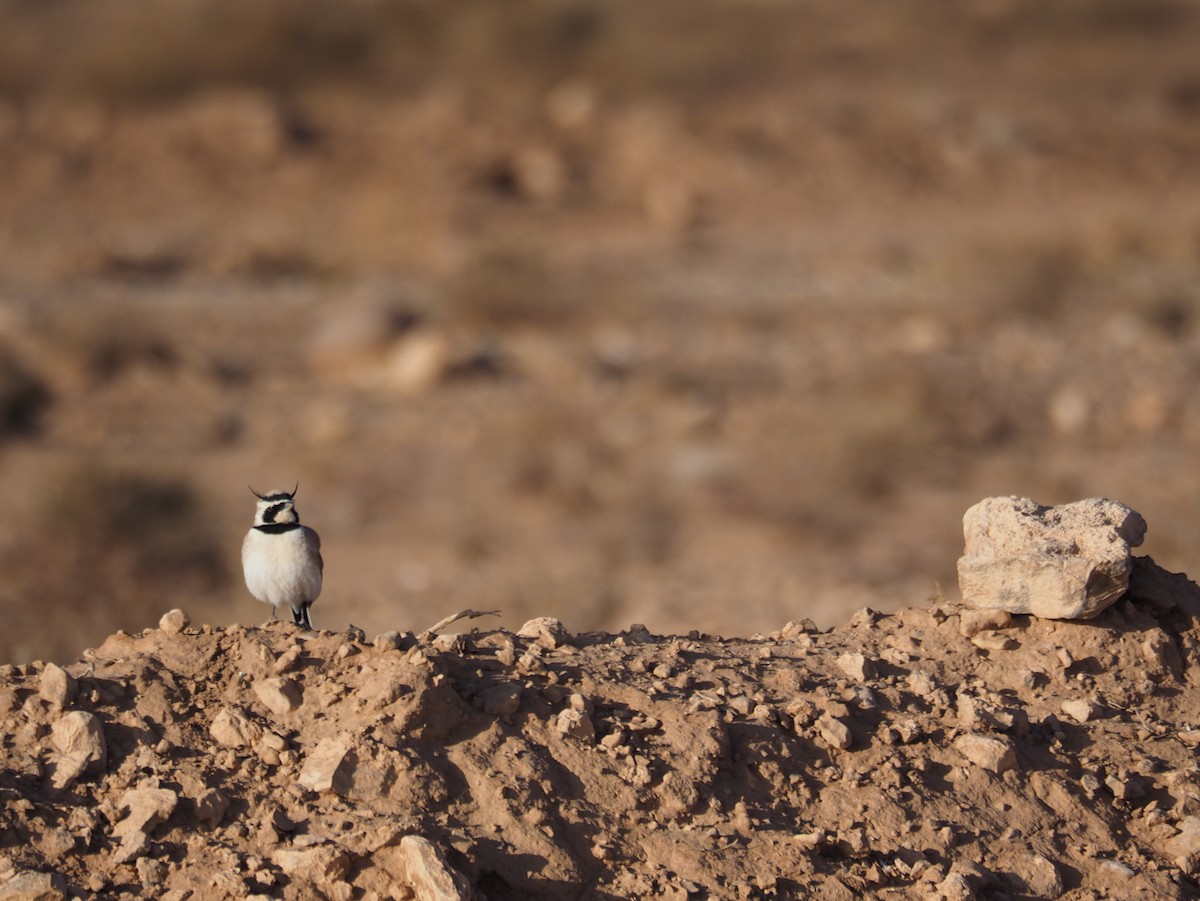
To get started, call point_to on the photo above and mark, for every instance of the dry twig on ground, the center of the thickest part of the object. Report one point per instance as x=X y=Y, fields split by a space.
x=433 y=630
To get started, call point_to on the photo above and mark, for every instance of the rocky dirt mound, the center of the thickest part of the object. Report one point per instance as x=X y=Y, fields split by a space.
x=938 y=752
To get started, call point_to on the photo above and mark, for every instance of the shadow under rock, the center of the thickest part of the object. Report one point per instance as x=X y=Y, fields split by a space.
x=1168 y=596
x=495 y=887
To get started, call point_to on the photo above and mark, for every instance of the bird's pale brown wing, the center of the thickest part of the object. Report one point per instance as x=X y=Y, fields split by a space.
x=314 y=544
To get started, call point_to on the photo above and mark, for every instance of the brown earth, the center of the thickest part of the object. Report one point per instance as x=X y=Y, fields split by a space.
x=707 y=319
x=935 y=752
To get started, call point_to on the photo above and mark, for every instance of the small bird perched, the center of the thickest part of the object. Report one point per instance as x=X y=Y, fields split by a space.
x=281 y=558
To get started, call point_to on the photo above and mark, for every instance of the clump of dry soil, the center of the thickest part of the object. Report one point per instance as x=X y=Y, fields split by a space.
x=937 y=752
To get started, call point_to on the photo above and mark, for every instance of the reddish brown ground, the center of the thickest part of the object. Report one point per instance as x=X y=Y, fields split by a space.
x=892 y=756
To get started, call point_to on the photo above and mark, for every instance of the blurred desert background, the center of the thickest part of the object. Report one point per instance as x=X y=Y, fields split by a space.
x=705 y=316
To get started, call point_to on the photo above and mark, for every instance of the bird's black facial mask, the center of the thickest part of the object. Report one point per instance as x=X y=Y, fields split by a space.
x=273 y=511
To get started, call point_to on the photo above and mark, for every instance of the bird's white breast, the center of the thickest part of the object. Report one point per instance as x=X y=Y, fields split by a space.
x=281 y=569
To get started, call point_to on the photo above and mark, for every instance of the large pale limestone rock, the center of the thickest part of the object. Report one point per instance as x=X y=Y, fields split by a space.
x=1067 y=562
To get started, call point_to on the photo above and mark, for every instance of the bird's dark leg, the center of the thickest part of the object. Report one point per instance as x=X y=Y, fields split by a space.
x=300 y=616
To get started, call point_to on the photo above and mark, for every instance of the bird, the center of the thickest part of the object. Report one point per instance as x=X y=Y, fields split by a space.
x=281 y=558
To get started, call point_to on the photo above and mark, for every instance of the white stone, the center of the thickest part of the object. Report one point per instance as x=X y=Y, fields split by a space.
x=1041 y=876
x=1066 y=562
x=279 y=695
x=972 y=622
x=34 y=886
x=1161 y=653
x=316 y=866
x=322 y=764
x=1079 y=709
x=210 y=806
x=1125 y=787
x=234 y=728
x=79 y=738
x=987 y=752
x=834 y=732
x=174 y=621
x=990 y=640
x=57 y=687
x=546 y=631
x=1187 y=841
x=856 y=666
x=921 y=683
x=432 y=878
x=388 y=641
x=148 y=807
x=575 y=724
x=1118 y=869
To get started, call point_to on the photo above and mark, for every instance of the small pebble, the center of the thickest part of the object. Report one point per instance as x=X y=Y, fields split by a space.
x=174 y=621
